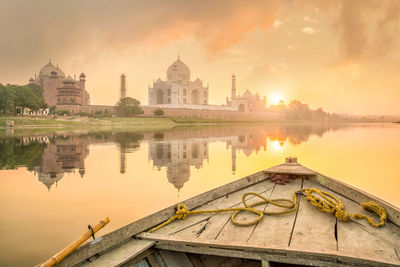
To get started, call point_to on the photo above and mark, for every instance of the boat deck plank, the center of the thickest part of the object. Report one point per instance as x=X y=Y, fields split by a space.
x=313 y=229
x=229 y=200
x=276 y=230
x=290 y=168
x=212 y=226
x=236 y=233
x=360 y=238
x=123 y=254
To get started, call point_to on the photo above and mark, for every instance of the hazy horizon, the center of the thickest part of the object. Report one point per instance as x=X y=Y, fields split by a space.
x=342 y=55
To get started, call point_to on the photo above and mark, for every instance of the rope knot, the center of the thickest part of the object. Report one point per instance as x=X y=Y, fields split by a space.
x=342 y=215
x=181 y=211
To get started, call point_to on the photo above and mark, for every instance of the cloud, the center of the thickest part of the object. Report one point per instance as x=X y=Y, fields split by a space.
x=308 y=30
x=85 y=28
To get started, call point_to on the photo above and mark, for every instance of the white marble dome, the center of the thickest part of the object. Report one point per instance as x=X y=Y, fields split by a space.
x=178 y=71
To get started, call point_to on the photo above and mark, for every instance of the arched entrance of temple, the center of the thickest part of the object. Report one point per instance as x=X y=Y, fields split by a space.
x=195 y=97
x=160 y=97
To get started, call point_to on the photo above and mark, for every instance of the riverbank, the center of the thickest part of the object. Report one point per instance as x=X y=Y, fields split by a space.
x=37 y=125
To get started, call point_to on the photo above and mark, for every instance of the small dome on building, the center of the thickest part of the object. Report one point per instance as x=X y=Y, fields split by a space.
x=158 y=80
x=247 y=93
x=47 y=69
x=60 y=72
x=83 y=75
x=178 y=71
x=69 y=79
x=31 y=80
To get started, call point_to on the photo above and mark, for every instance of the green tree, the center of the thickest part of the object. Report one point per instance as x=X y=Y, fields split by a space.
x=36 y=89
x=26 y=98
x=7 y=96
x=158 y=112
x=128 y=106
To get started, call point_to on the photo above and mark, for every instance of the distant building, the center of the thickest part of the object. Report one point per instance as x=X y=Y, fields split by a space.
x=178 y=89
x=246 y=102
x=61 y=90
x=123 y=86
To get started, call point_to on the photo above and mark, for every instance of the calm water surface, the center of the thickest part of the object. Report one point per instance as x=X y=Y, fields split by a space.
x=52 y=186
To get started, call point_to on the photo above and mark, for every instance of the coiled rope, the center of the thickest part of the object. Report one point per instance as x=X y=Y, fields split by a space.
x=327 y=203
x=331 y=204
x=289 y=205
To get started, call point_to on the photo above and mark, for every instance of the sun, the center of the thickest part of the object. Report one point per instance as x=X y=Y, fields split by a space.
x=275 y=98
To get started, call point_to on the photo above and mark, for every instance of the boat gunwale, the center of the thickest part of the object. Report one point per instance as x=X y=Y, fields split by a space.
x=271 y=253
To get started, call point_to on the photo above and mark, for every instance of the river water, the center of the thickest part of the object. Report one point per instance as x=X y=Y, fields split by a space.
x=53 y=185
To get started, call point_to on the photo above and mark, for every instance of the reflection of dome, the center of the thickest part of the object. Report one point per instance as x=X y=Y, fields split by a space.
x=178 y=71
x=49 y=178
x=178 y=174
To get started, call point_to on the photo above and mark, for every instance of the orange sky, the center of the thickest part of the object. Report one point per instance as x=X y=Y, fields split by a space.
x=339 y=55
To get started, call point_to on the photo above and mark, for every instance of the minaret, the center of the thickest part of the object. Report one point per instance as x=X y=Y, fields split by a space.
x=123 y=86
x=233 y=150
x=122 y=167
x=233 y=86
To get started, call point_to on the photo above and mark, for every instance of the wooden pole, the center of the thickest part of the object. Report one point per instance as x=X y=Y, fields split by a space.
x=71 y=247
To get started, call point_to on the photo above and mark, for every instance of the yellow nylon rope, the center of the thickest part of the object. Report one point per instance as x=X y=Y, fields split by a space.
x=327 y=203
x=289 y=205
x=331 y=204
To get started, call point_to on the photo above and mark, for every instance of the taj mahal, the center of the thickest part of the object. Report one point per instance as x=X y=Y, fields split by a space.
x=178 y=89
x=177 y=94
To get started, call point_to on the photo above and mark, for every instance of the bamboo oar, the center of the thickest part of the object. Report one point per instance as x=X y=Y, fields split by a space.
x=71 y=247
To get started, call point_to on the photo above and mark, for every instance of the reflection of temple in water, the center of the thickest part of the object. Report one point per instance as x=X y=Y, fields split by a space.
x=51 y=156
x=247 y=144
x=178 y=156
x=65 y=156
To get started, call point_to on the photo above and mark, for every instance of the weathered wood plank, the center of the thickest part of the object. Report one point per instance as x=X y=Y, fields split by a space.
x=359 y=238
x=276 y=230
x=291 y=168
x=358 y=195
x=313 y=229
x=142 y=263
x=121 y=254
x=175 y=259
x=277 y=254
x=155 y=259
x=233 y=232
x=212 y=226
x=114 y=238
x=229 y=200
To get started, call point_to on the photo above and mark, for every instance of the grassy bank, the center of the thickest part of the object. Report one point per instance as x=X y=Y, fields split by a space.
x=27 y=125
x=37 y=122
x=37 y=125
